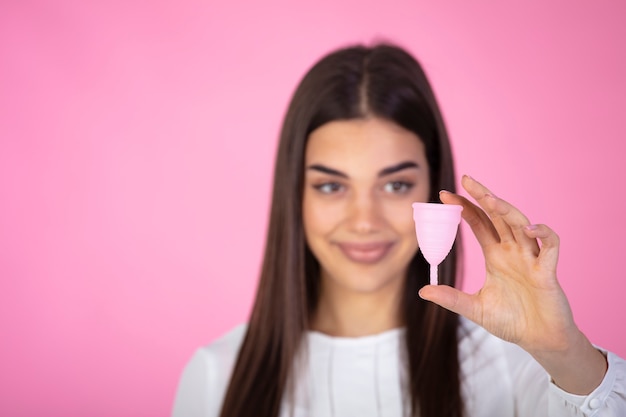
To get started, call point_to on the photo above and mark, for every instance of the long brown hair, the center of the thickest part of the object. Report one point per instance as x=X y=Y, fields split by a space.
x=355 y=82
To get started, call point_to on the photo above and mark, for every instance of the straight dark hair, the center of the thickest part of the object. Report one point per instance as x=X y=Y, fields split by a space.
x=356 y=82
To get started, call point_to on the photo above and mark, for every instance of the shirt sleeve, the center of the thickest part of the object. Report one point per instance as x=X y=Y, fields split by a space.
x=607 y=400
x=535 y=394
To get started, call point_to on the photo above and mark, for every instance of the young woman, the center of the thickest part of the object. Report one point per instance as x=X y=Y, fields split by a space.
x=337 y=328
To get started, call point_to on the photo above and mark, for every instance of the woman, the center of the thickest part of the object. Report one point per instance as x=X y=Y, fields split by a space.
x=336 y=327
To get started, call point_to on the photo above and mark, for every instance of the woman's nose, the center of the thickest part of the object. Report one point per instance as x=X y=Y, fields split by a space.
x=364 y=214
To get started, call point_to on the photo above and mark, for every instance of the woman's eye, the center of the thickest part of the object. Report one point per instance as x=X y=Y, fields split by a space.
x=329 y=187
x=398 y=187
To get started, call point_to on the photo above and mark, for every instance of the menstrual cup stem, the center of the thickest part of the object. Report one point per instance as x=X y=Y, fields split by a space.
x=433 y=275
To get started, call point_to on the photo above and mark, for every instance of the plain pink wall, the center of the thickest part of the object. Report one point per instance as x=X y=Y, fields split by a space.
x=136 y=149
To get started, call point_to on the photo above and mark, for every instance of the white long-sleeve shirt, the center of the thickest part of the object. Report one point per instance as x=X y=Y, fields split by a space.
x=363 y=377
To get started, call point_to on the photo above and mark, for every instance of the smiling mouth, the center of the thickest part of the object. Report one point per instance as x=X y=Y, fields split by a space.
x=365 y=253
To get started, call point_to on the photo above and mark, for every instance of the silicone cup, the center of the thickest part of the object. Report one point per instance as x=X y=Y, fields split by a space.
x=436 y=226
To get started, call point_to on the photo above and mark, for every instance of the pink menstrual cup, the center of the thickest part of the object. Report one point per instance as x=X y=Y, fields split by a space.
x=435 y=227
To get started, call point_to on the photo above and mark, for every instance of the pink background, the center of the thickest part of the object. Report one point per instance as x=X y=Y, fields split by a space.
x=136 y=149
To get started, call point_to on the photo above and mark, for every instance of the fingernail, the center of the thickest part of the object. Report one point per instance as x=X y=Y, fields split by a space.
x=444 y=192
x=469 y=177
x=531 y=227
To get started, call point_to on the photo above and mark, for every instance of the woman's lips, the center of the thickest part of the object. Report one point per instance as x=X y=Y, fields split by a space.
x=367 y=253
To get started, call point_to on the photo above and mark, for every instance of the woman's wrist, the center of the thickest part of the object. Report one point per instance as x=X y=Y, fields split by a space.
x=579 y=369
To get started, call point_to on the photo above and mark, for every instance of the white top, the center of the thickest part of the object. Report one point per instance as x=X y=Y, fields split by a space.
x=362 y=377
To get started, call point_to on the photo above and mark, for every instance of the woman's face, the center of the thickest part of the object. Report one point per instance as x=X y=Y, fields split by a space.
x=361 y=177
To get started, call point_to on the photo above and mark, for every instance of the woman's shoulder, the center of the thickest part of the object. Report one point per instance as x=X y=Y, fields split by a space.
x=220 y=355
x=485 y=358
x=226 y=346
x=204 y=380
x=476 y=343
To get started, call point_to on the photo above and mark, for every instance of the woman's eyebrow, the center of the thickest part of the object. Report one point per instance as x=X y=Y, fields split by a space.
x=326 y=170
x=398 y=167
x=385 y=171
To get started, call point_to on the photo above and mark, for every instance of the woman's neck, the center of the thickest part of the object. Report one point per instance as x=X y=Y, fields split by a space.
x=345 y=313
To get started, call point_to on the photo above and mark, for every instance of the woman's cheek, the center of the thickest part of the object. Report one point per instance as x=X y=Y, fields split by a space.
x=399 y=212
x=320 y=215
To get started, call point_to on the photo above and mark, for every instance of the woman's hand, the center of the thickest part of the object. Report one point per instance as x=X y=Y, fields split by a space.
x=521 y=300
